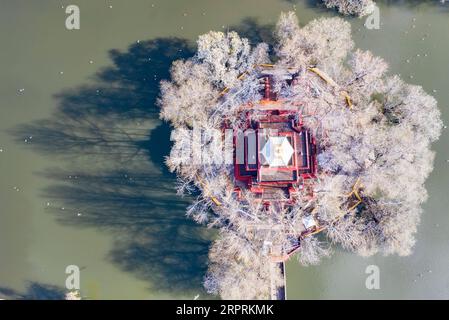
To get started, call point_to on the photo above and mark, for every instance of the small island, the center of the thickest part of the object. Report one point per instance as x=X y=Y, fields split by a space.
x=292 y=148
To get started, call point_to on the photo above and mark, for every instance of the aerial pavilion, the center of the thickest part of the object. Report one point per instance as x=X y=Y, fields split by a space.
x=274 y=152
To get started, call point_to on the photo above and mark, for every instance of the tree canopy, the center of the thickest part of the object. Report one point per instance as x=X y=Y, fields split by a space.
x=351 y=7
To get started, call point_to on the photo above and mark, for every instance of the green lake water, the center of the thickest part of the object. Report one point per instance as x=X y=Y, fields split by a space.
x=82 y=178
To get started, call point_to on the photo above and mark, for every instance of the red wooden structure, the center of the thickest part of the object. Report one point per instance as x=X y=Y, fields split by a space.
x=275 y=151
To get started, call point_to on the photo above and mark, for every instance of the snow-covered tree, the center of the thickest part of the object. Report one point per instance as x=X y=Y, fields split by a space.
x=351 y=7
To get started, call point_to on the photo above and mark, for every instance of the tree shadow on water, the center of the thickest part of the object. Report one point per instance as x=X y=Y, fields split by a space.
x=111 y=146
x=34 y=291
x=254 y=31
